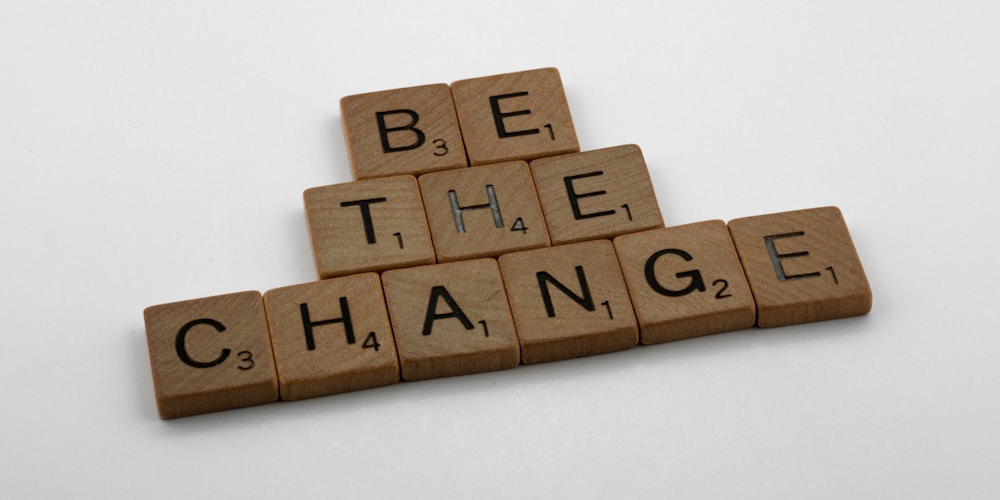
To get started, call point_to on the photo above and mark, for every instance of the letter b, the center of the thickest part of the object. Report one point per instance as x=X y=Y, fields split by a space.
x=383 y=130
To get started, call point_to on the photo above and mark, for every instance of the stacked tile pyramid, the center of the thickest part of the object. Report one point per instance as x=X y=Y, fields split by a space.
x=475 y=237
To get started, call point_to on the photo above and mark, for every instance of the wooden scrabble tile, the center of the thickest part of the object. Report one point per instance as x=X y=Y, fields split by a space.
x=514 y=116
x=685 y=281
x=802 y=266
x=483 y=211
x=210 y=354
x=450 y=319
x=596 y=194
x=331 y=336
x=569 y=301
x=370 y=225
x=408 y=131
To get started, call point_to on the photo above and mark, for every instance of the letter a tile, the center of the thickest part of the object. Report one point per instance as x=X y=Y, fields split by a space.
x=685 y=281
x=450 y=319
x=569 y=301
x=331 y=336
x=596 y=194
x=514 y=116
x=370 y=225
x=483 y=211
x=407 y=131
x=210 y=354
x=802 y=266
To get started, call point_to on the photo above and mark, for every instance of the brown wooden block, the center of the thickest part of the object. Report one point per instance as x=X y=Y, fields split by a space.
x=450 y=319
x=685 y=281
x=370 y=225
x=331 y=336
x=596 y=194
x=408 y=131
x=483 y=211
x=514 y=116
x=569 y=301
x=802 y=266
x=210 y=354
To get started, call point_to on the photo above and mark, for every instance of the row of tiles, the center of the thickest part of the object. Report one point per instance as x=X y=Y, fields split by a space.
x=366 y=330
x=427 y=128
x=484 y=211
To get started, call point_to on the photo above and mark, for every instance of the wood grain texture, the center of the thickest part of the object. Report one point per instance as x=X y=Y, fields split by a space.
x=685 y=281
x=596 y=194
x=497 y=211
x=450 y=319
x=365 y=226
x=210 y=354
x=802 y=266
x=593 y=315
x=407 y=131
x=331 y=336
x=514 y=116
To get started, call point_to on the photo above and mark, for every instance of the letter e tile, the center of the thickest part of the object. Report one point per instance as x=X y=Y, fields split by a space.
x=210 y=354
x=802 y=266
x=514 y=116
x=596 y=194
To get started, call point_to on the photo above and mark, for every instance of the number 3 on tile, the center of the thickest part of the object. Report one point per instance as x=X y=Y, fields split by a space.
x=246 y=360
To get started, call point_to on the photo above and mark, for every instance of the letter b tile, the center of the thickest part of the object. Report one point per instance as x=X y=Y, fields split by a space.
x=802 y=266
x=407 y=131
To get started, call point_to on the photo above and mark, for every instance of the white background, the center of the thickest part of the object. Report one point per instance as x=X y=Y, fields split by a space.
x=155 y=152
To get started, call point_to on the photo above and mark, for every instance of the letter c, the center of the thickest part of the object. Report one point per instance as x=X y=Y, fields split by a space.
x=182 y=349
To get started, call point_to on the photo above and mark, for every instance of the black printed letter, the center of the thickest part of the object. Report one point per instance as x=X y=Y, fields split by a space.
x=308 y=324
x=383 y=131
x=696 y=281
x=182 y=349
x=498 y=116
x=573 y=196
x=544 y=278
x=366 y=215
x=456 y=312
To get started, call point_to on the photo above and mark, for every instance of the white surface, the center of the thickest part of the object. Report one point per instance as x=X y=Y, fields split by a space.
x=150 y=154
